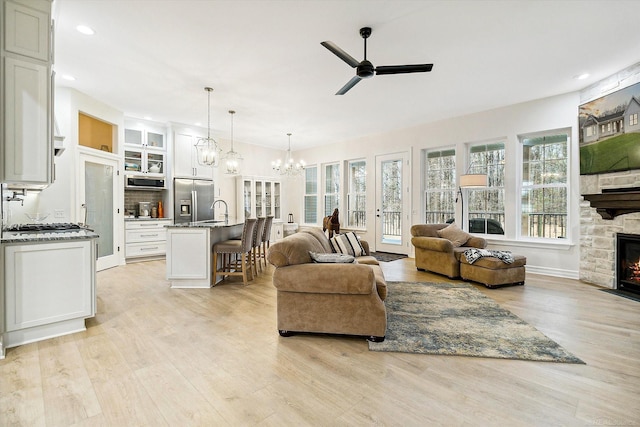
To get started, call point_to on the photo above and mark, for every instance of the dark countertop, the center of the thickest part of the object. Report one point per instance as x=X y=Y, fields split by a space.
x=22 y=237
x=146 y=219
x=207 y=224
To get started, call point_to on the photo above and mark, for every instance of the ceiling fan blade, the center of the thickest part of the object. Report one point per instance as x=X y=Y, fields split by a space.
x=351 y=83
x=401 y=69
x=341 y=54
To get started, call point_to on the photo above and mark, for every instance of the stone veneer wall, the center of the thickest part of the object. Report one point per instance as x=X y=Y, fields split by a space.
x=597 y=235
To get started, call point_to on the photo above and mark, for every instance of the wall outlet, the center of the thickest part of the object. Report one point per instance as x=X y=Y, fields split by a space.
x=58 y=213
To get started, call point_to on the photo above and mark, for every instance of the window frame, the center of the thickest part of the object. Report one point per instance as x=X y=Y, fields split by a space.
x=308 y=171
x=351 y=192
x=328 y=210
x=522 y=187
x=427 y=192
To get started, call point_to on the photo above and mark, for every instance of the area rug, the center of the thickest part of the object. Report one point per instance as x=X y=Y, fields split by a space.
x=458 y=319
x=386 y=256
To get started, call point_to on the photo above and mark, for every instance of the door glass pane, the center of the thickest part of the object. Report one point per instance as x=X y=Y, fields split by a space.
x=392 y=201
x=99 y=204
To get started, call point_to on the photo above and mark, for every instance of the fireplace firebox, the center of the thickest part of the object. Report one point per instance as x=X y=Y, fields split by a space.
x=628 y=262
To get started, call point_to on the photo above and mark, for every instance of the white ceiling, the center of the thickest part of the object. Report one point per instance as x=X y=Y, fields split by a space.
x=264 y=59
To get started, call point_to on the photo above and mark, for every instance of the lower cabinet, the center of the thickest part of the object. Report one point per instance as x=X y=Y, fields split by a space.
x=145 y=239
x=49 y=289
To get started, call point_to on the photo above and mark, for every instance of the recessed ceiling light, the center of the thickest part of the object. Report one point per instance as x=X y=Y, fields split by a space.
x=68 y=77
x=84 y=29
x=581 y=76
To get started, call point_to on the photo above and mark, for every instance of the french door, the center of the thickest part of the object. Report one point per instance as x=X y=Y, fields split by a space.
x=97 y=192
x=393 y=203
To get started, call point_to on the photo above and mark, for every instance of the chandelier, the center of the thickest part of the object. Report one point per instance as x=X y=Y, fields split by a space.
x=289 y=167
x=207 y=148
x=233 y=159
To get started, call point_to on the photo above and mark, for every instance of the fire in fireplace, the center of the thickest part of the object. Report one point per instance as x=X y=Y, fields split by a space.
x=628 y=262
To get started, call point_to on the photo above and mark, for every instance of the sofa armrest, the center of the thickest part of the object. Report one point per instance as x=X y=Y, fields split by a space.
x=432 y=244
x=365 y=246
x=476 y=242
x=325 y=278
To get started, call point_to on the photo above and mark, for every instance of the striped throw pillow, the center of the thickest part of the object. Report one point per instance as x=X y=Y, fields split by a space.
x=347 y=243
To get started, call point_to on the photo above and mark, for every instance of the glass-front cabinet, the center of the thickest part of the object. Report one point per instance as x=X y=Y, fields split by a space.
x=145 y=148
x=259 y=197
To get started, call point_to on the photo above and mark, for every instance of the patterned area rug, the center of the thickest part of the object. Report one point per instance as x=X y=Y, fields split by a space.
x=386 y=256
x=457 y=319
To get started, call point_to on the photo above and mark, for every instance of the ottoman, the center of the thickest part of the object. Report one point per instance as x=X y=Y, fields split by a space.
x=492 y=272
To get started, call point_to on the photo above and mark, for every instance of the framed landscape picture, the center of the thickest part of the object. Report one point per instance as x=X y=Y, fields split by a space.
x=610 y=132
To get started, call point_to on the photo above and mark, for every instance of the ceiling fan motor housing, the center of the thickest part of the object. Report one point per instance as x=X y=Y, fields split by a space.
x=365 y=69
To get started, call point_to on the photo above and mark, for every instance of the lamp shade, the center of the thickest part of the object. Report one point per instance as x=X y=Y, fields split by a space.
x=473 y=180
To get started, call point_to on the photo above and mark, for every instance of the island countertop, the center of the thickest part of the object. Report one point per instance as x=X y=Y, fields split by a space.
x=232 y=222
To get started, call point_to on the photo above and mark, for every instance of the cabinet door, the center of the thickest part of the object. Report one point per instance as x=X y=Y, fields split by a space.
x=133 y=161
x=276 y=201
x=259 y=199
x=155 y=162
x=26 y=30
x=28 y=148
x=60 y=288
x=185 y=162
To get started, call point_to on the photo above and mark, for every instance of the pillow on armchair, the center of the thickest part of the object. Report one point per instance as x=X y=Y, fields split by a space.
x=453 y=233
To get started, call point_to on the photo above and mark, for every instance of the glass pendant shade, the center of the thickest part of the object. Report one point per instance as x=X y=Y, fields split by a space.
x=232 y=159
x=207 y=149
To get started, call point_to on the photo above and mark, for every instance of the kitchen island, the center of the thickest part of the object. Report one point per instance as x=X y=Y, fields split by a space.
x=48 y=286
x=189 y=255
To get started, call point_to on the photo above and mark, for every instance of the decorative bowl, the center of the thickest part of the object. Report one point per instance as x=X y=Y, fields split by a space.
x=37 y=217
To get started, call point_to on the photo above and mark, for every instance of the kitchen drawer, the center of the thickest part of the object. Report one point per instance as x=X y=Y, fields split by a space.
x=150 y=235
x=146 y=225
x=146 y=249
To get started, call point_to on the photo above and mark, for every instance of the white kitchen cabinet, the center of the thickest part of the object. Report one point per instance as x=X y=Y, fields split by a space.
x=189 y=257
x=26 y=142
x=185 y=158
x=49 y=289
x=144 y=239
x=145 y=148
x=257 y=197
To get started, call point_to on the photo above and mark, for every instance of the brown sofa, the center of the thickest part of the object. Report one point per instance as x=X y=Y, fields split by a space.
x=330 y=298
x=437 y=254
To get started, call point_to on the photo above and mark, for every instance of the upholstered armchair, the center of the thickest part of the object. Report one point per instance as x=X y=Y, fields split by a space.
x=438 y=247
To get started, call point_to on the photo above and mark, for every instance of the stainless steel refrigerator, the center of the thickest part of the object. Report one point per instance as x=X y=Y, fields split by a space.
x=192 y=199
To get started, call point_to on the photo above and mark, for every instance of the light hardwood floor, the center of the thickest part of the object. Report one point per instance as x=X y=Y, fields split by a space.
x=158 y=356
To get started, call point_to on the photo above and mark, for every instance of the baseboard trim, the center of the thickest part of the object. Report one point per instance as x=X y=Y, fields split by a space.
x=555 y=272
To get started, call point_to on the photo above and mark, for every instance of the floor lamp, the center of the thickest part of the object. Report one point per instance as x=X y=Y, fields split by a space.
x=474 y=180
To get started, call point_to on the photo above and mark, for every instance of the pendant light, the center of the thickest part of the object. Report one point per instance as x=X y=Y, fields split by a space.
x=233 y=159
x=289 y=167
x=207 y=148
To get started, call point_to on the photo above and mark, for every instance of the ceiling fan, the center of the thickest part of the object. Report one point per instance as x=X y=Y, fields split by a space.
x=365 y=69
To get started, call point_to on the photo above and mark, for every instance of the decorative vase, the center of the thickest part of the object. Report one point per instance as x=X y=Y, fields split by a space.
x=160 y=210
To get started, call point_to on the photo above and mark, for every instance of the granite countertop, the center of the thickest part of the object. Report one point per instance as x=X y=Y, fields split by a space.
x=133 y=218
x=22 y=237
x=207 y=224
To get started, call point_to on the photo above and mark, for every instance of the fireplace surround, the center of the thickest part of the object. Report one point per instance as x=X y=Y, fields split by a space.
x=628 y=262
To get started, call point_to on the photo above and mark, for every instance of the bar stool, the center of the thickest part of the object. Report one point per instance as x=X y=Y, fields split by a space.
x=266 y=237
x=242 y=247
x=257 y=243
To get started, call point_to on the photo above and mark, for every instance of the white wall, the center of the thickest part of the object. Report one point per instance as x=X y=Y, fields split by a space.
x=505 y=124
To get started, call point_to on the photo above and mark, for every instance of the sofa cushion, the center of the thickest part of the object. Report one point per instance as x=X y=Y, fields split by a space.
x=332 y=258
x=293 y=249
x=347 y=243
x=453 y=233
x=319 y=236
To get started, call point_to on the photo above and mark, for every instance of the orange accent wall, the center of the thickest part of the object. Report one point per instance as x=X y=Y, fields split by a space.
x=95 y=133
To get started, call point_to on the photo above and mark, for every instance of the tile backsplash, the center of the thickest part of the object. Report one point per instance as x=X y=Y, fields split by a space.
x=133 y=197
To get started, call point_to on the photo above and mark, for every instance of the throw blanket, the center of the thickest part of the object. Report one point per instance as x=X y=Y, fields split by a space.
x=473 y=255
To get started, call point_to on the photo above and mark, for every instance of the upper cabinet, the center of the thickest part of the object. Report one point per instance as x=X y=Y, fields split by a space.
x=145 y=148
x=185 y=158
x=26 y=142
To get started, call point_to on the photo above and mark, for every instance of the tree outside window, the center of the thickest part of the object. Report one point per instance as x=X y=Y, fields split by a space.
x=311 y=195
x=544 y=186
x=439 y=185
x=357 y=194
x=486 y=205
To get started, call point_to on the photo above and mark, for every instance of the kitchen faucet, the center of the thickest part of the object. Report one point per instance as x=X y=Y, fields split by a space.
x=226 y=209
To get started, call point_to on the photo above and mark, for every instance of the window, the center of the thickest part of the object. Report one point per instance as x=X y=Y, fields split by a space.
x=311 y=195
x=544 y=186
x=591 y=130
x=357 y=194
x=439 y=185
x=633 y=119
x=486 y=205
x=331 y=188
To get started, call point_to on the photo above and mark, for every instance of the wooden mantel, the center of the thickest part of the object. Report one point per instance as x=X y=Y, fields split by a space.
x=611 y=203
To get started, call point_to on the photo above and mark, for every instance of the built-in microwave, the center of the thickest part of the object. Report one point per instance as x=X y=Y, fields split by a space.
x=138 y=182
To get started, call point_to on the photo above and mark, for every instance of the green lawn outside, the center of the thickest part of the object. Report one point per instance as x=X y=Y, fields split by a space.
x=618 y=153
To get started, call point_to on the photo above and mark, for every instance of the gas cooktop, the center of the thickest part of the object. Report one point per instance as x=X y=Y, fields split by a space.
x=40 y=227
